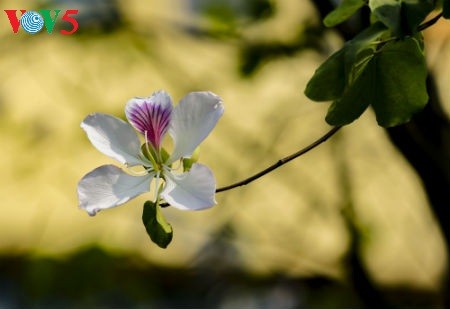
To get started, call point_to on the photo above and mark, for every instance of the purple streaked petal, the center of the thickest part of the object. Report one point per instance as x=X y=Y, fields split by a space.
x=151 y=116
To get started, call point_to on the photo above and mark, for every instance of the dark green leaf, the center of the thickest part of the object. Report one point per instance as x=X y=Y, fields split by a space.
x=328 y=82
x=401 y=16
x=392 y=81
x=446 y=9
x=345 y=10
x=388 y=12
x=360 y=48
x=414 y=13
x=159 y=230
x=401 y=74
x=355 y=100
x=330 y=79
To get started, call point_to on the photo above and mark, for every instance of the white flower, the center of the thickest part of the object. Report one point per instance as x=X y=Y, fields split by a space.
x=188 y=123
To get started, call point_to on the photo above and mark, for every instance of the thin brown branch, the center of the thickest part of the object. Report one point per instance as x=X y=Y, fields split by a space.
x=277 y=164
x=280 y=162
x=429 y=23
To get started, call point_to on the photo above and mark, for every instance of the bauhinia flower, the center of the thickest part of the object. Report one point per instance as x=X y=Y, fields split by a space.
x=188 y=123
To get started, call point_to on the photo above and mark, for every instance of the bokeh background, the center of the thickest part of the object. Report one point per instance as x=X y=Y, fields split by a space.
x=286 y=240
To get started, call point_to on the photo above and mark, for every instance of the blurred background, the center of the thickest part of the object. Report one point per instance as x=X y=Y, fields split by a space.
x=349 y=223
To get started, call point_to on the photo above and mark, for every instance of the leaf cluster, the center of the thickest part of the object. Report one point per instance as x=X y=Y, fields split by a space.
x=382 y=67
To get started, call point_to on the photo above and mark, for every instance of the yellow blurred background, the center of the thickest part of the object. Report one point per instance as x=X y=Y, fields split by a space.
x=288 y=222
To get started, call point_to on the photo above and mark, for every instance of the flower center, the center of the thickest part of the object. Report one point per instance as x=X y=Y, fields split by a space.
x=158 y=157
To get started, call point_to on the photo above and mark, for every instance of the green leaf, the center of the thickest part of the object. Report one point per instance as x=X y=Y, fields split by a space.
x=402 y=17
x=328 y=82
x=393 y=82
x=355 y=100
x=360 y=48
x=414 y=13
x=330 y=79
x=446 y=9
x=401 y=91
x=345 y=10
x=388 y=12
x=159 y=230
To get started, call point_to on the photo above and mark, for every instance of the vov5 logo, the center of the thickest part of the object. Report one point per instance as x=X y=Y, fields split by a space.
x=33 y=22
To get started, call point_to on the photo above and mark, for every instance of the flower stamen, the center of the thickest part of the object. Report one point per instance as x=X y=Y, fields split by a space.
x=149 y=152
x=146 y=171
x=157 y=187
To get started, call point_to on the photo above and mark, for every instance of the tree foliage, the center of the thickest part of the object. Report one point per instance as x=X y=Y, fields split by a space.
x=382 y=67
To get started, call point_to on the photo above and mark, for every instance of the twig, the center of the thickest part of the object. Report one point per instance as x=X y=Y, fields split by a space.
x=429 y=23
x=276 y=165
x=280 y=162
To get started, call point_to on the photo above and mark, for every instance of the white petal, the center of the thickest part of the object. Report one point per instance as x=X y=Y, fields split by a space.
x=108 y=186
x=192 y=120
x=113 y=137
x=193 y=190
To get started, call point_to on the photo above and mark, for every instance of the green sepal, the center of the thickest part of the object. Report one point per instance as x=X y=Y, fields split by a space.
x=187 y=162
x=159 y=230
x=344 y=11
x=164 y=155
x=150 y=153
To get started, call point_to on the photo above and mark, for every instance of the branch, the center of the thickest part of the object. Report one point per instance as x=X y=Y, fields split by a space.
x=276 y=165
x=280 y=162
x=429 y=23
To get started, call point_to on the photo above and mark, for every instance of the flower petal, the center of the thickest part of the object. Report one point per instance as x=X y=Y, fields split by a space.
x=193 y=190
x=113 y=137
x=192 y=120
x=150 y=116
x=108 y=186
